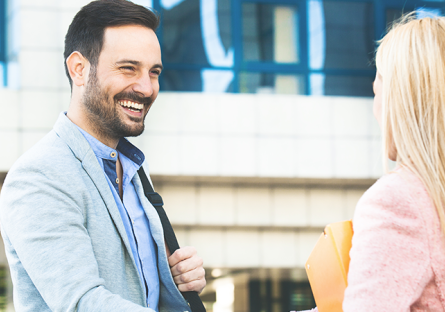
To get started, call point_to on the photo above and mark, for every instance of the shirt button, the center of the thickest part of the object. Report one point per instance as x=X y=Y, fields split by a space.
x=113 y=154
x=117 y=180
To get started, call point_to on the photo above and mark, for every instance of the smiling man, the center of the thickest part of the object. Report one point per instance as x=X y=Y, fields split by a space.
x=79 y=233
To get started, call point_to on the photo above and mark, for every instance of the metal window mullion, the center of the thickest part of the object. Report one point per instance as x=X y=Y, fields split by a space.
x=303 y=28
x=3 y=40
x=237 y=41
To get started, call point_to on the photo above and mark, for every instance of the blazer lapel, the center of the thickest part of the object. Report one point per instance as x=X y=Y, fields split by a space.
x=94 y=170
x=67 y=131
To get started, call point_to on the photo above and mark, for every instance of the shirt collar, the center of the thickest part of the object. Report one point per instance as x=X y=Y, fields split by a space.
x=105 y=152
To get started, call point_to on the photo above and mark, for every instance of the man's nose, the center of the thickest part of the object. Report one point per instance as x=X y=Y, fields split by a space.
x=144 y=86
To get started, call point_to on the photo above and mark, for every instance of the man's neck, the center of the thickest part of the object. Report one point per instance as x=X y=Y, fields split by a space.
x=85 y=125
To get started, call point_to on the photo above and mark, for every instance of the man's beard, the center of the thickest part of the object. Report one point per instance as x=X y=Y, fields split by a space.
x=103 y=110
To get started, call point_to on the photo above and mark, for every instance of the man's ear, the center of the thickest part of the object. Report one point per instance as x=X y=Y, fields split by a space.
x=78 y=67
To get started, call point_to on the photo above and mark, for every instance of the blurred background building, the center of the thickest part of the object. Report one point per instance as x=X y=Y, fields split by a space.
x=263 y=132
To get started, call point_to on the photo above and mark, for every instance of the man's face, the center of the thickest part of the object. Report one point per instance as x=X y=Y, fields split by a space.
x=125 y=82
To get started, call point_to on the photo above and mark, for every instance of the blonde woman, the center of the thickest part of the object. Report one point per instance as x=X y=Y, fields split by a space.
x=398 y=247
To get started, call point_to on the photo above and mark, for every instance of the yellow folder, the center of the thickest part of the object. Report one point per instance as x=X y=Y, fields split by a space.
x=328 y=264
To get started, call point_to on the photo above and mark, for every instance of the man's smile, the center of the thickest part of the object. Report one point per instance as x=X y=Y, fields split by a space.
x=132 y=106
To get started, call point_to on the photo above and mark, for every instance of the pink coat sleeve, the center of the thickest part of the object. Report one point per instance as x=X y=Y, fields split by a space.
x=390 y=261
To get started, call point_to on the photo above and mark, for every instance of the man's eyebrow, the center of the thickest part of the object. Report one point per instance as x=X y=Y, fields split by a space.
x=158 y=66
x=137 y=63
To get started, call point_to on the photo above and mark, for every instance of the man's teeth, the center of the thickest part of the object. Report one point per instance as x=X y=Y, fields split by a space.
x=130 y=104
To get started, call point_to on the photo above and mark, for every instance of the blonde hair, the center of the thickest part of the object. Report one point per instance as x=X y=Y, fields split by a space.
x=411 y=61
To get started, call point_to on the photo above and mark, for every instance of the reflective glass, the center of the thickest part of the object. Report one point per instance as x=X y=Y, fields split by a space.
x=197 y=32
x=393 y=15
x=203 y=80
x=349 y=28
x=181 y=80
x=348 y=85
x=271 y=83
x=270 y=33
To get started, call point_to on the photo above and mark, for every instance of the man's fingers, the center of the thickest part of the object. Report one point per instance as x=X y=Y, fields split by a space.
x=190 y=276
x=197 y=285
x=180 y=255
x=186 y=265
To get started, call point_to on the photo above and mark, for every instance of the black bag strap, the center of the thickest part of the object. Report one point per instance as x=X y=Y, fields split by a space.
x=155 y=199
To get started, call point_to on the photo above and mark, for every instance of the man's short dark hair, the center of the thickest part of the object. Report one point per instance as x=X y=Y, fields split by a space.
x=86 y=32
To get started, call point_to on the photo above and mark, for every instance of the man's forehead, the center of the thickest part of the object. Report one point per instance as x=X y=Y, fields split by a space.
x=131 y=42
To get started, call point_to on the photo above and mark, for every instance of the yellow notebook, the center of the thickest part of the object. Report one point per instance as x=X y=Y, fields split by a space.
x=328 y=264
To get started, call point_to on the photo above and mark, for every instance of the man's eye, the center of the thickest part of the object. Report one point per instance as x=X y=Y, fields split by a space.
x=156 y=72
x=127 y=68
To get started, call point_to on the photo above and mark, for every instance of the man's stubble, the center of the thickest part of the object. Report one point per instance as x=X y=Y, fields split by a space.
x=102 y=110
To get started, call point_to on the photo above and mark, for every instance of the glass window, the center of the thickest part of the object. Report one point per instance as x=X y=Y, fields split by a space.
x=394 y=14
x=271 y=83
x=181 y=34
x=270 y=33
x=348 y=85
x=196 y=37
x=181 y=80
x=349 y=28
x=194 y=32
x=284 y=295
x=202 y=80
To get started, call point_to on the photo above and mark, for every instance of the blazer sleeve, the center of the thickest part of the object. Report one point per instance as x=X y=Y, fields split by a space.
x=48 y=241
x=390 y=260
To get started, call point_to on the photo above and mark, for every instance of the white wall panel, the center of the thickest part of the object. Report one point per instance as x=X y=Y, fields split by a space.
x=30 y=138
x=9 y=109
x=253 y=206
x=315 y=157
x=238 y=156
x=10 y=143
x=163 y=152
x=326 y=206
x=242 y=248
x=40 y=69
x=216 y=205
x=165 y=115
x=180 y=203
x=39 y=109
x=352 y=198
x=279 y=249
x=351 y=117
x=290 y=207
x=237 y=114
x=278 y=156
x=276 y=117
x=71 y=4
x=210 y=246
x=199 y=155
x=314 y=116
x=352 y=158
x=46 y=35
x=198 y=116
x=306 y=242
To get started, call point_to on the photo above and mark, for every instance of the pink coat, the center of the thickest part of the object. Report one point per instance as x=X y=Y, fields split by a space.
x=398 y=249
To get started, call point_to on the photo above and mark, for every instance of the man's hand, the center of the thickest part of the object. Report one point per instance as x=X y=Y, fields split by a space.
x=187 y=270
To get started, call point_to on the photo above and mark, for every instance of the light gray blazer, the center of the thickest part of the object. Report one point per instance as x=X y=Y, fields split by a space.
x=64 y=238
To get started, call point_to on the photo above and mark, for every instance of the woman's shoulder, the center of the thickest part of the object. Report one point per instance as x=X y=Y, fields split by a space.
x=401 y=186
x=399 y=194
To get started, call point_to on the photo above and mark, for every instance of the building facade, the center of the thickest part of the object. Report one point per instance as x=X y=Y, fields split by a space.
x=262 y=134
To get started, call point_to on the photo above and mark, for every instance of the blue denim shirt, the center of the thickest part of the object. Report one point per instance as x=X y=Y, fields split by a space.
x=133 y=216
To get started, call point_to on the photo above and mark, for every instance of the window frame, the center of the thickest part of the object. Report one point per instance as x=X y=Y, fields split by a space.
x=302 y=68
x=3 y=40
